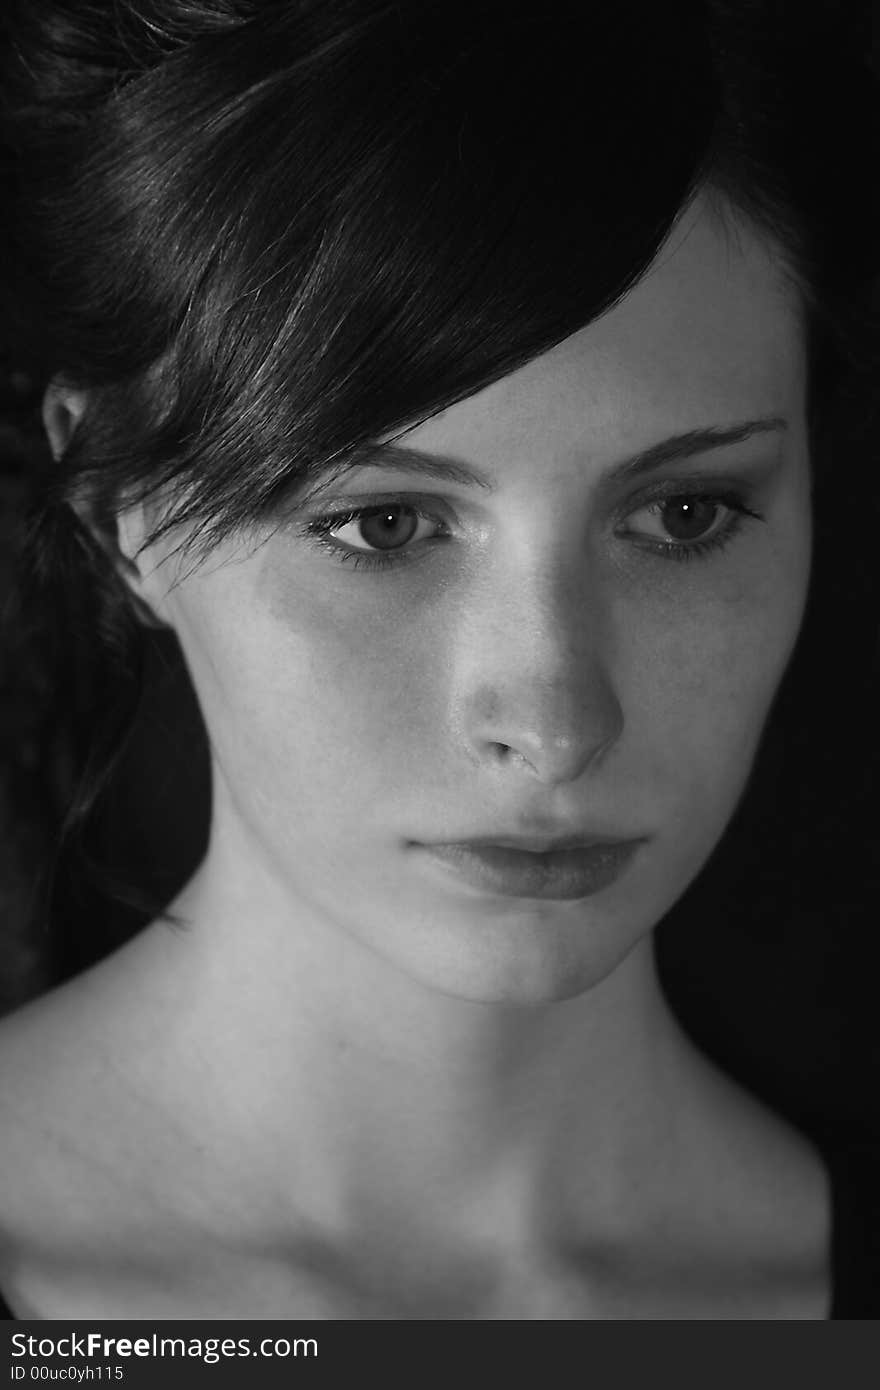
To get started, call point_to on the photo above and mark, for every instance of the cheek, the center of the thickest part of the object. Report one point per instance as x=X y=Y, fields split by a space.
x=302 y=691
x=703 y=685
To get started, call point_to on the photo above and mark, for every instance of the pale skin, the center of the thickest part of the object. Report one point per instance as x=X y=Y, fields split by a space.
x=348 y=1085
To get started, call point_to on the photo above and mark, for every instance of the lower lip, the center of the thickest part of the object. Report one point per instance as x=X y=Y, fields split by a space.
x=561 y=875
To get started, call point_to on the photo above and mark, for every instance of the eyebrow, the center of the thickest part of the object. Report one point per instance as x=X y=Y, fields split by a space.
x=447 y=469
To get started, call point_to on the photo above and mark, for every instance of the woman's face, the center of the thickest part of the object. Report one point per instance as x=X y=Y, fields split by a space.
x=553 y=616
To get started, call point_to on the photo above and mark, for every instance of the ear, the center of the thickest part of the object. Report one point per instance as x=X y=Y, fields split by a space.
x=63 y=408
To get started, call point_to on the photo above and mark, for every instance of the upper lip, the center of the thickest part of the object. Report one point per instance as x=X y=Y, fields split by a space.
x=537 y=844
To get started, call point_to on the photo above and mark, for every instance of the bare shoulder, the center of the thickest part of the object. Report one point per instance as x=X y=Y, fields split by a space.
x=101 y=1177
x=763 y=1193
x=57 y=1105
x=86 y=1146
x=725 y=1216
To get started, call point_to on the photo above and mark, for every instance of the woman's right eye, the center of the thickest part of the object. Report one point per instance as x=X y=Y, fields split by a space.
x=387 y=530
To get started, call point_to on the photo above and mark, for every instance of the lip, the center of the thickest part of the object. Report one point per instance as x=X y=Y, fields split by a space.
x=562 y=869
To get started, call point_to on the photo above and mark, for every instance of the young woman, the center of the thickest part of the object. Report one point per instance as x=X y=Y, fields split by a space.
x=446 y=382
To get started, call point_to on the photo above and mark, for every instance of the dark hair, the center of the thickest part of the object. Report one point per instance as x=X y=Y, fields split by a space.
x=263 y=234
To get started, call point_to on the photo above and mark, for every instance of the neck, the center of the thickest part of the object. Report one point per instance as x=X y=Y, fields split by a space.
x=349 y=1090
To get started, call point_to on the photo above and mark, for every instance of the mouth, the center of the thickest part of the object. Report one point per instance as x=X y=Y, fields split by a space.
x=515 y=867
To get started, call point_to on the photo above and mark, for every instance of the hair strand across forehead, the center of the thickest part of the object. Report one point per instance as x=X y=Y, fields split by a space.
x=330 y=220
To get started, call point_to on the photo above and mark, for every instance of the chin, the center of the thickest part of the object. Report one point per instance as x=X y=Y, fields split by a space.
x=521 y=963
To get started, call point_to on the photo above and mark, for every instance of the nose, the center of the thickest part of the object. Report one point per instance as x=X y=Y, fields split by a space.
x=535 y=689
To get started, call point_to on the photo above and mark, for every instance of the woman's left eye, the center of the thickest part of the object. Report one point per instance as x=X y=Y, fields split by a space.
x=385 y=530
x=688 y=523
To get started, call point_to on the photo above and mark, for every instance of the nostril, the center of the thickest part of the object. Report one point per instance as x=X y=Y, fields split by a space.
x=505 y=753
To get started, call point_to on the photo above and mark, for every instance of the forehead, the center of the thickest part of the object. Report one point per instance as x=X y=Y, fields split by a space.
x=712 y=333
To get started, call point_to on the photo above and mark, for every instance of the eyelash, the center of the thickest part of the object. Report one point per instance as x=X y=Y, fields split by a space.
x=684 y=551
x=320 y=529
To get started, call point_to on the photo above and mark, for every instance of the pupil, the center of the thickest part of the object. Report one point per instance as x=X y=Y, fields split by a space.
x=389 y=527
x=688 y=518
